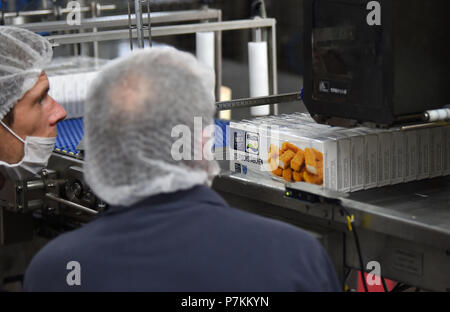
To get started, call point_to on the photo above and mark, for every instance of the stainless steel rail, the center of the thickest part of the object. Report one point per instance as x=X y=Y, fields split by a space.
x=122 y=20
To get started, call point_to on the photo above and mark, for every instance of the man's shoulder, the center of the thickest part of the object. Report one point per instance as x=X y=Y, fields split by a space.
x=248 y=222
x=51 y=262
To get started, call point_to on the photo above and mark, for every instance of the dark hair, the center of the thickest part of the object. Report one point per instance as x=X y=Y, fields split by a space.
x=9 y=118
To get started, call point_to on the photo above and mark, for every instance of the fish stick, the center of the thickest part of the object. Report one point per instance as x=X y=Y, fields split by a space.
x=310 y=161
x=278 y=172
x=289 y=146
x=287 y=175
x=298 y=177
x=319 y=155
x=312 y=179
x=297 y=161
x=285 y=159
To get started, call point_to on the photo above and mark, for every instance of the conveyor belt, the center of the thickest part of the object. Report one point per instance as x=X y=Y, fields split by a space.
x=71 y=132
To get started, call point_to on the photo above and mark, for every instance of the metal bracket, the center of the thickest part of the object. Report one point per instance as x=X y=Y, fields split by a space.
x=257 y=101
x=140 y=27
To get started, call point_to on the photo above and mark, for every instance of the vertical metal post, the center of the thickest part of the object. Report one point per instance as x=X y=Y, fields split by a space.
x=139 y=23
x=130 y=27
x=84 y=47
x=273 y=67
x=149 y=24
x=94 y=7
x=218 y=61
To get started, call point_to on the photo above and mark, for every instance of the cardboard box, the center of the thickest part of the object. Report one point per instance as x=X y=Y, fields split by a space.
x=423 y=139
x=283 y=155
x=370 y=158
x=356 y=159
x=384 y=158
x=411 y=156
x=436 y=152
x=397 y=157
x=446 y=151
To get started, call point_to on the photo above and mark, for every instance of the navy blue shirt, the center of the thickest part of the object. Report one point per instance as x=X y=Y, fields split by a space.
x=184 y=241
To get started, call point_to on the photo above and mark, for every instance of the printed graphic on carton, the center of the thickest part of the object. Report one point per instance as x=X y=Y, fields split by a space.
x=296 y=165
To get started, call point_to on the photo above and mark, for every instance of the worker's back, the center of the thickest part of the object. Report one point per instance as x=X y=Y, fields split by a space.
x=186 y=241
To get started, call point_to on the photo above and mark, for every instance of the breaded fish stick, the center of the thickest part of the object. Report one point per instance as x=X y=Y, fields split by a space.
x=285 y=159
x=310 y=161
x=298 y=160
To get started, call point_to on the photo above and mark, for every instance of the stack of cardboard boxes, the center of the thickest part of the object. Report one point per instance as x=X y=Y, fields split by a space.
x=294 y=148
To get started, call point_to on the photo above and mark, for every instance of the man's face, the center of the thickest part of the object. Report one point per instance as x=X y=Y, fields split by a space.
x=36 y=114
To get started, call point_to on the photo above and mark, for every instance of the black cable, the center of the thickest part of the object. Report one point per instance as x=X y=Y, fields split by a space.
x=400 y=287
x=361 y=262
x=396 y=287
x=346 y=276
x=403 y=288
x=386 y=289
x=358 y=249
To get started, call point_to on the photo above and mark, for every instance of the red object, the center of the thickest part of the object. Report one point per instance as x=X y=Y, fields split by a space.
x=373 y=288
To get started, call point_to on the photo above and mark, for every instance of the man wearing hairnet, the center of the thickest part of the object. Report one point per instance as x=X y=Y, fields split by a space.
x=28 y=115
x=166 y=229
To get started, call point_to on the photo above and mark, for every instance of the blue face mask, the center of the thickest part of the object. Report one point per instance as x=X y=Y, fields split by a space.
x=37 y=151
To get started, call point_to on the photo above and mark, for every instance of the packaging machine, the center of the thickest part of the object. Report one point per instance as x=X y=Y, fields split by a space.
x=404 y=227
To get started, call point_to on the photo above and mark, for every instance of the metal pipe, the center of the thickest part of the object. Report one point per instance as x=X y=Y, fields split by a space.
x=166 y=31
x=273 y=67
x=130 y=28
x=426 y=126
x=122 y=20
x=139 y=23
x=258 y=101
x=218 y=60
x=149 y=24
x=59 y=10
x=70 y=204
x=94 y=6
x=35 y=185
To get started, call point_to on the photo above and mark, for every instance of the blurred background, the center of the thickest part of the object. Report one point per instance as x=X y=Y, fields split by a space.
x=235 y=51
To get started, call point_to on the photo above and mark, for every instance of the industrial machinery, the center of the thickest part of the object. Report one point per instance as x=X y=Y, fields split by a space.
x=356 y=75
x=384 y=72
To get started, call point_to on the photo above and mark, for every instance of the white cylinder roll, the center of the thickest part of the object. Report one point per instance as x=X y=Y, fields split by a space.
x=205 y=47
x=259 y=75
x=439 y=114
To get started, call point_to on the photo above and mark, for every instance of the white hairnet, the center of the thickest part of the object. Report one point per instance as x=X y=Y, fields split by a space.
x=131 y=109
x=23 y=56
